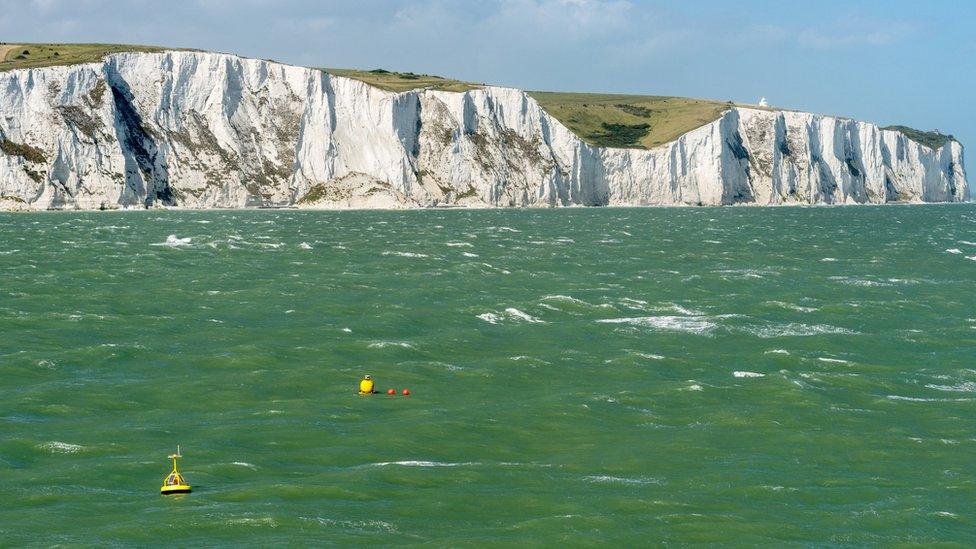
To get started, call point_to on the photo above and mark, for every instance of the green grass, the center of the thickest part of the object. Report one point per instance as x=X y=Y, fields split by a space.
x=636 y=121
x=621 y=135
x=29 y=56
x=404 y=81
x=932 y=140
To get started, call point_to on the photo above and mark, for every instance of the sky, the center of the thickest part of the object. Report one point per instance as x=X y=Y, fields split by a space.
x=888 y=62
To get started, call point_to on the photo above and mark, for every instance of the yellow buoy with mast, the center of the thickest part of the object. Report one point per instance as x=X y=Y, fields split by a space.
x=174 y=483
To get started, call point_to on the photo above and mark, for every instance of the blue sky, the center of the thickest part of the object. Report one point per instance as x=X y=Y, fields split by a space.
x=895 y=61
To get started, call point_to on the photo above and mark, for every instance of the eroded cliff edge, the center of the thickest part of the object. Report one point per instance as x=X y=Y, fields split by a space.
x=205 y=130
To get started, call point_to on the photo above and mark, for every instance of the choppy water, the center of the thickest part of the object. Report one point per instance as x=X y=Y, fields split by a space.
x=801 y=375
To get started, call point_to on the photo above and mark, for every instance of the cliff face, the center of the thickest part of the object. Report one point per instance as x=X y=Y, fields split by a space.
x=202 y=130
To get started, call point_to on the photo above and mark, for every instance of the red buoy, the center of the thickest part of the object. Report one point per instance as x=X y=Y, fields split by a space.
x=391 y=392
x=406 y=392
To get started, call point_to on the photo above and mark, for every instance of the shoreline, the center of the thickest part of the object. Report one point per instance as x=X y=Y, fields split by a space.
x=482 y=208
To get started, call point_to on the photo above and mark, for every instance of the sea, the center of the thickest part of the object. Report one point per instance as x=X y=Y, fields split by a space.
x=581 y=377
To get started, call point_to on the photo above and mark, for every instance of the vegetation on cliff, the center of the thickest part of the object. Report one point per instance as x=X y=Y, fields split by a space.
x=29 y=56
x=933 y=139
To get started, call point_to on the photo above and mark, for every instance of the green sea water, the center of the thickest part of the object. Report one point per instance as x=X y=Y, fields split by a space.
x=623 y=376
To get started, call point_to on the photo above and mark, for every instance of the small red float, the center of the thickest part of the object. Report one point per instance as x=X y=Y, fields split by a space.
x=391 y=392
x=406 y=392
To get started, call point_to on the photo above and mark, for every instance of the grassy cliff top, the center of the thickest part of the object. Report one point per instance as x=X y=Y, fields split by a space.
x=29 y=56
x=404 y=81
x=636 y=121
x=933 y=140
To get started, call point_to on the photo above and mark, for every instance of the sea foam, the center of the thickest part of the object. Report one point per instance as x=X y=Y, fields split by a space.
x=608 y=479
x=511 y=314
x=174 y=241
x=796 y=330
x=419 y=463
x=58 y=447
x=691 y=324
x=406 y=254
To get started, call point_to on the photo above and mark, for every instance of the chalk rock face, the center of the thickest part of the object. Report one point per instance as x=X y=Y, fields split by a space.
x=204 y=130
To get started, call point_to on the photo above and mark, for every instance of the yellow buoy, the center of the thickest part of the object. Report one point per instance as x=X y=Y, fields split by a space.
x=174 y=483
x=366 y=386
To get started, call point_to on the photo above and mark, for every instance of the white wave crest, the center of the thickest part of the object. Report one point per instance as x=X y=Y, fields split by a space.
x=499 y=269
x=607 y=479
x=384 y=344
x=253 y=521
x=747 y=374
x=793 y=307
x=406 y=254
x=858 y=281
x=58 y=447
x=305 y=246
x=964 y=387
x=633 y=303
x=490 y=318
x=693 y=324
x=685 y=311
x=746 y=273
x=530 y=359
x=174 y=241
x=919 y=399
x=515 y=313
x=418 y=463
x=512 y=314
x=796 y=330
x=361 y=526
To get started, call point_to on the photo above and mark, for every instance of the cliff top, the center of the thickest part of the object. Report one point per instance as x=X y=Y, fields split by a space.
x=933 y=139
x=606 y=120
x=643 y=121
x=404 y=81
x=30 y=56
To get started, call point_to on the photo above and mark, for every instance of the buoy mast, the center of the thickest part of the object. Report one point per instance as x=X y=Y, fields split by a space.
x=174 y=483
x=174 y=456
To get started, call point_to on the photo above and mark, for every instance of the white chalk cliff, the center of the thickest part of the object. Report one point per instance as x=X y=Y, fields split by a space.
x=204 y=130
